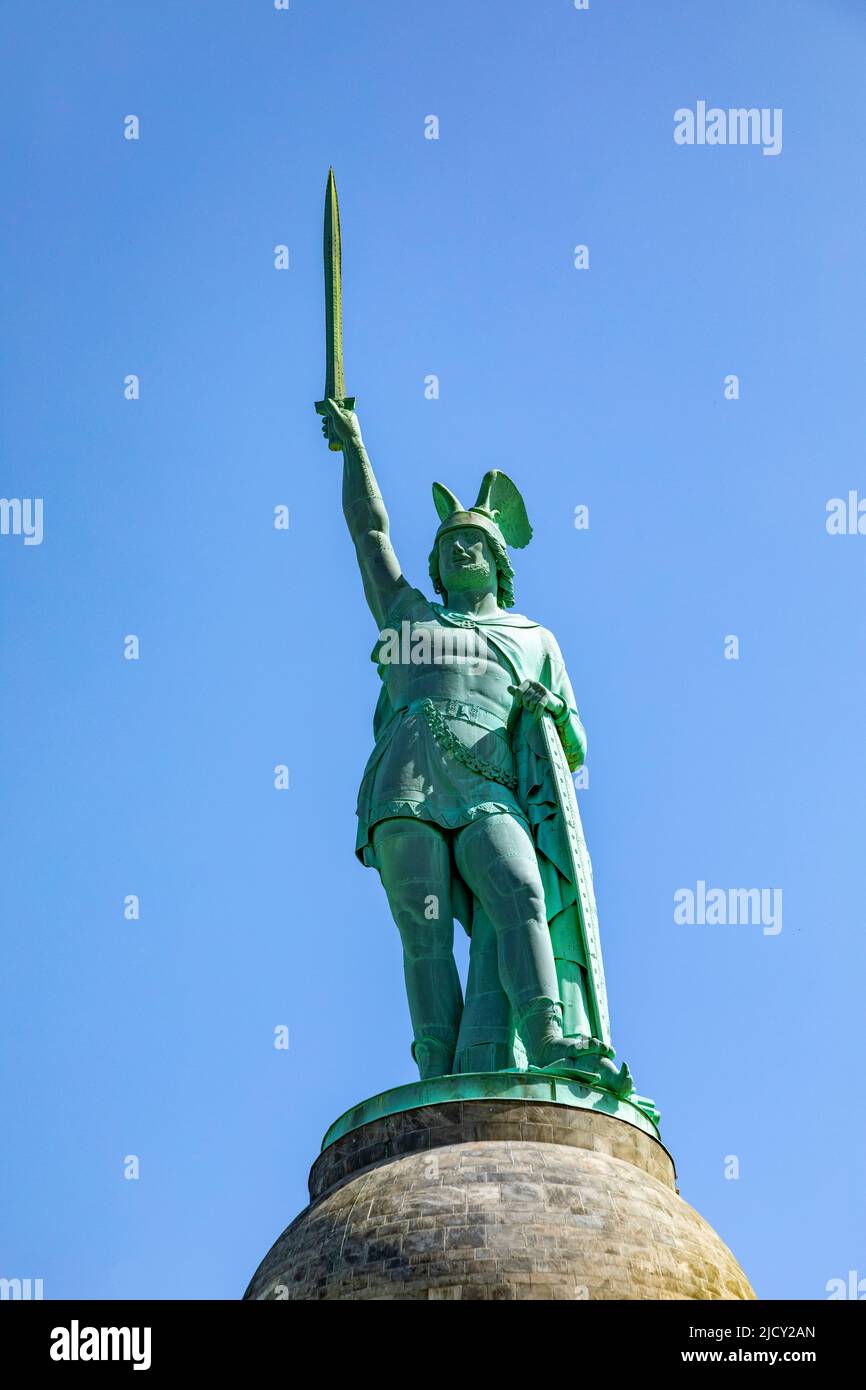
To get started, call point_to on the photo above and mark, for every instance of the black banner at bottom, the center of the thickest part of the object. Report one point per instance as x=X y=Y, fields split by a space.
x=154 y=1338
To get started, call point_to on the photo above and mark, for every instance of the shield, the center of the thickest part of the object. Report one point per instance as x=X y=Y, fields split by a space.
x=581 y=865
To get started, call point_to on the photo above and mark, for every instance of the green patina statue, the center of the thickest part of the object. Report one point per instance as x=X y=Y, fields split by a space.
x=467 y=807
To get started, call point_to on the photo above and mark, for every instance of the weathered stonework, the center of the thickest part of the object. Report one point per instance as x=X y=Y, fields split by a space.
x=497 y=1200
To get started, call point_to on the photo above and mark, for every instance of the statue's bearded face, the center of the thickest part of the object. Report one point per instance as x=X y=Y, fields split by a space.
x=466 y=562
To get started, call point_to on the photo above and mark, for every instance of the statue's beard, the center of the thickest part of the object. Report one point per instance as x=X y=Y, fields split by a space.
x=474 y=576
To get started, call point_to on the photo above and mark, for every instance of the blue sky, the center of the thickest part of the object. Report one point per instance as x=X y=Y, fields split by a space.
x=601 y=388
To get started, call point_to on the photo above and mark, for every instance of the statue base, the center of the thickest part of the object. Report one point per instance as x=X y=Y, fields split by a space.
x=502 y=1186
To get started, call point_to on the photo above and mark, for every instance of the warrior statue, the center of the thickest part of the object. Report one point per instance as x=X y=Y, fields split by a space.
x=467 y=807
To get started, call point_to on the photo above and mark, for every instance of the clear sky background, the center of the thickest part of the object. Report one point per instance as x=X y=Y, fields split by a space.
x=601 y=387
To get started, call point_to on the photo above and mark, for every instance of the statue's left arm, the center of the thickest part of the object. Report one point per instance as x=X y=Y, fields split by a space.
x=572 y=734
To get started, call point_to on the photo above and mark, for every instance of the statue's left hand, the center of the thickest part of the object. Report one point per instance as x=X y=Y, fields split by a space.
x=536 y=698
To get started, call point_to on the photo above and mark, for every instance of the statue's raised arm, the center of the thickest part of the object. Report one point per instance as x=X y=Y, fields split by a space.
x=365 y=512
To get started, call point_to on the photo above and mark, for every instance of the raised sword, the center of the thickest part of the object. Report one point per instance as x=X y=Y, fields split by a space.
x=335 y=384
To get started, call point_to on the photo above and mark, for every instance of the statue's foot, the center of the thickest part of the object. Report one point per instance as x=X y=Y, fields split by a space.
x=433 y=1057
x=589 y=1059
x=588 y=1063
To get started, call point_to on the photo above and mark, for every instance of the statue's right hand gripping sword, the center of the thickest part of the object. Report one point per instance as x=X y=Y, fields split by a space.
x=335 y=385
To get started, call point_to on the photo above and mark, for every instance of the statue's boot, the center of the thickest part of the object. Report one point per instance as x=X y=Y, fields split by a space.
x=433 y=1056
x=539 y=1024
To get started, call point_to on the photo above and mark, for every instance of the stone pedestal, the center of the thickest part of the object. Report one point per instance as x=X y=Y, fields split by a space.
x=497 y=1198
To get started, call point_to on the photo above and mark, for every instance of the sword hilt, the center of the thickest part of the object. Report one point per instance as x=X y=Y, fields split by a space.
x=345 y=403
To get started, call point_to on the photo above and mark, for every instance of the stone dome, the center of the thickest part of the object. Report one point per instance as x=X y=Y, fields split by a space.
x=497 y=1200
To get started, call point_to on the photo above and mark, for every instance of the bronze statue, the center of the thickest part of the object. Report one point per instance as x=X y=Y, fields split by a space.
x=466 y=807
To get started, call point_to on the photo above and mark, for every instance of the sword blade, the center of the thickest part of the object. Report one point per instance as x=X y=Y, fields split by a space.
x=335 y=385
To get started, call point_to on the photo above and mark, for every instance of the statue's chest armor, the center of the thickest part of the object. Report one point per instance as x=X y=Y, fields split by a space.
x=438 y=661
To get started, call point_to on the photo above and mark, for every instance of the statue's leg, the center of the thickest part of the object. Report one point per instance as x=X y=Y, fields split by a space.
x=484 y=1043
x=415 y=867
x=496 y=859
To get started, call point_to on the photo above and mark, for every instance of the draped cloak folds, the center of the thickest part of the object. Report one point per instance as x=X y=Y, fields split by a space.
x=530 y=652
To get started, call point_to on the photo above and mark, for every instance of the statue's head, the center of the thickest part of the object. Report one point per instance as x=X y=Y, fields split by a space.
x=466 y=560
x=469 y=553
